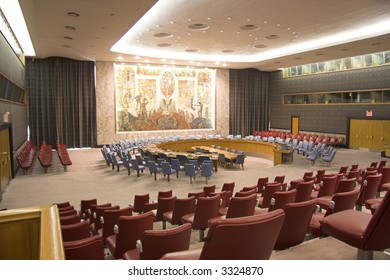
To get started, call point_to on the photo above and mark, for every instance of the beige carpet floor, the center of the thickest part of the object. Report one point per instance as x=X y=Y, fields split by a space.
x=89 y=177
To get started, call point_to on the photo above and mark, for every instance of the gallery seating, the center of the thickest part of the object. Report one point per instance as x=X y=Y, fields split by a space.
x=244 y=238
x=182 y=206
x=156 y=243
x=75 y=231
x=361 y=230
x=26 y=156
x=128 y=230
x=90 y=248
x=368 y=190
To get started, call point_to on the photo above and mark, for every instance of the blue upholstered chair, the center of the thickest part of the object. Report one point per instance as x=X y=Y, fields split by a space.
x=206 y=171
x=189 y=170
x=167 y=169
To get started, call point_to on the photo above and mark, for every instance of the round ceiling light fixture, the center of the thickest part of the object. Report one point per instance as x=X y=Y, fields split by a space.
x=227 y=51
x=198 y=26
x=70 y=27
x=73 y=14
x=192 y=50
x=261 y=46
x=164 y=45
x=249 y=27
x=163 y=35
x=272 y=37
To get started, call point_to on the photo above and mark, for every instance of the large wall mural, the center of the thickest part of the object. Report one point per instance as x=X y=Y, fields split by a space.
x=161 y=98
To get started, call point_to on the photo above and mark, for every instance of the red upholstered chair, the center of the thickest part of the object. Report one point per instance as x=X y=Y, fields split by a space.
x=248 y=188
x=362 y=230
x=319 y=176
x=67 y=213
x=209 y=189
x=168 y=193
x=326 y=187
x=164 y=204
x=353 y=174
x=368 y=190
x=206 y=208
x=85 y=208
x=343 y=169
x=66 y=209
x=139 y=202
x=196 y=194
x=304 y=190
x=93 y=211
x=225 y=198
x=245 y=193
x=90 y=248
x=156 y=243
x=385 y=179
x=268 y=193
x=279 y=179
x=261 y=183
x=110 y=218
x=294 y=228
x=244 y=238
x=339 y=202
x=238 y=207
x=280 y=199
x=128 y=230
x=346 y=185
x=62 y=204
x=97 y=224
x=71 y=219
x=182 y=206
x=75 y=231
x=228 y=187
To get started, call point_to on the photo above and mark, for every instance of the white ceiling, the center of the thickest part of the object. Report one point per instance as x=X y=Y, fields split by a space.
x=291 y=24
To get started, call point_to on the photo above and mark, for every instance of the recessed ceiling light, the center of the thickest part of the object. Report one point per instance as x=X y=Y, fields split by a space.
x=70 y=27
x=192 y=50
x=319 y=54
x=66 y=46
x=68 y=38
x=163 y=35
x=272 y=37
x=228 y=51
x=73 y=14
x=164 y=45
x=199 y=26
x=298 y=58
x=260 y=46
x=249 y=27
x=344 y=50
x=375 y=44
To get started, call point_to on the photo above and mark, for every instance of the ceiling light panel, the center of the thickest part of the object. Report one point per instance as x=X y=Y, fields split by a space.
x=275 y=37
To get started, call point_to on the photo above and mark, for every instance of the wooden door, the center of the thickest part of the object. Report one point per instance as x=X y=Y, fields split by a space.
x=294 y=125
x=5 y=163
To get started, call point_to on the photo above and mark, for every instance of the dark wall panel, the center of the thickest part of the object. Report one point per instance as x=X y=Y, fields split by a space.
x=326 y=118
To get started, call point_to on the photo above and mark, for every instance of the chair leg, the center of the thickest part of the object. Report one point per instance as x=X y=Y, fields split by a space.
x=190 y=179
x=155 y=176
x=168 y=177
x=137 y=173
x=365 y=255
x=177 y=173
x=128 y=171
x=201 y=234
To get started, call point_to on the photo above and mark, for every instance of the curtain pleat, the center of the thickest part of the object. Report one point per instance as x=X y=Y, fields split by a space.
x=62 y=101
x=249 y=101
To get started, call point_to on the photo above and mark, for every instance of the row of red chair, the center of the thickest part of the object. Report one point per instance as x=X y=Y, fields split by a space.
x=26 y=156
x=63 y=155
x=45 y=155
x=328 y=140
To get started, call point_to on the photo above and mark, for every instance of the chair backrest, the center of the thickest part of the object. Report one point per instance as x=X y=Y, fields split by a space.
x=280 y=199
x=189 y=169
x=342 y=201
x=307 y=174
x=75 y=231
x=297 y=219
x=166 y=168
x=377 y=231
x=93 y=210
x=182 y=206
x=261 y=183
x=240 y=159
x=343 y=169
x=207 y=169
x=206 y=208
x=244 y=238
x=386 y=175
x=110 y=219
x=168 y=193
x=182 y=159
x=130 y=229
x=279 y=178
x=195 y=163
x=209 y=189
x=196 y=194
x=164 y=204
x=90 y=248
x=228 y=187
x=304 y=190
x=346 y=185
x=353 y=174
x=175 y=164
x=241 y=206
x=327 y=186
x=245 y=193
x=139 y=202
x=369 y=188
x=98 y=214
x=157 y=243
x=225 y=197
x=85 y=206
x=268 y=193
x=153 y=167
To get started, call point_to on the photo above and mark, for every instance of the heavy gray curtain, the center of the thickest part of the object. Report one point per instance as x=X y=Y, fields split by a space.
x=61 y=101
x=249 y=101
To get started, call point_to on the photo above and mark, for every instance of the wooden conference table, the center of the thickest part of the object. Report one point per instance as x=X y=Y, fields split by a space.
x=187 y=147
